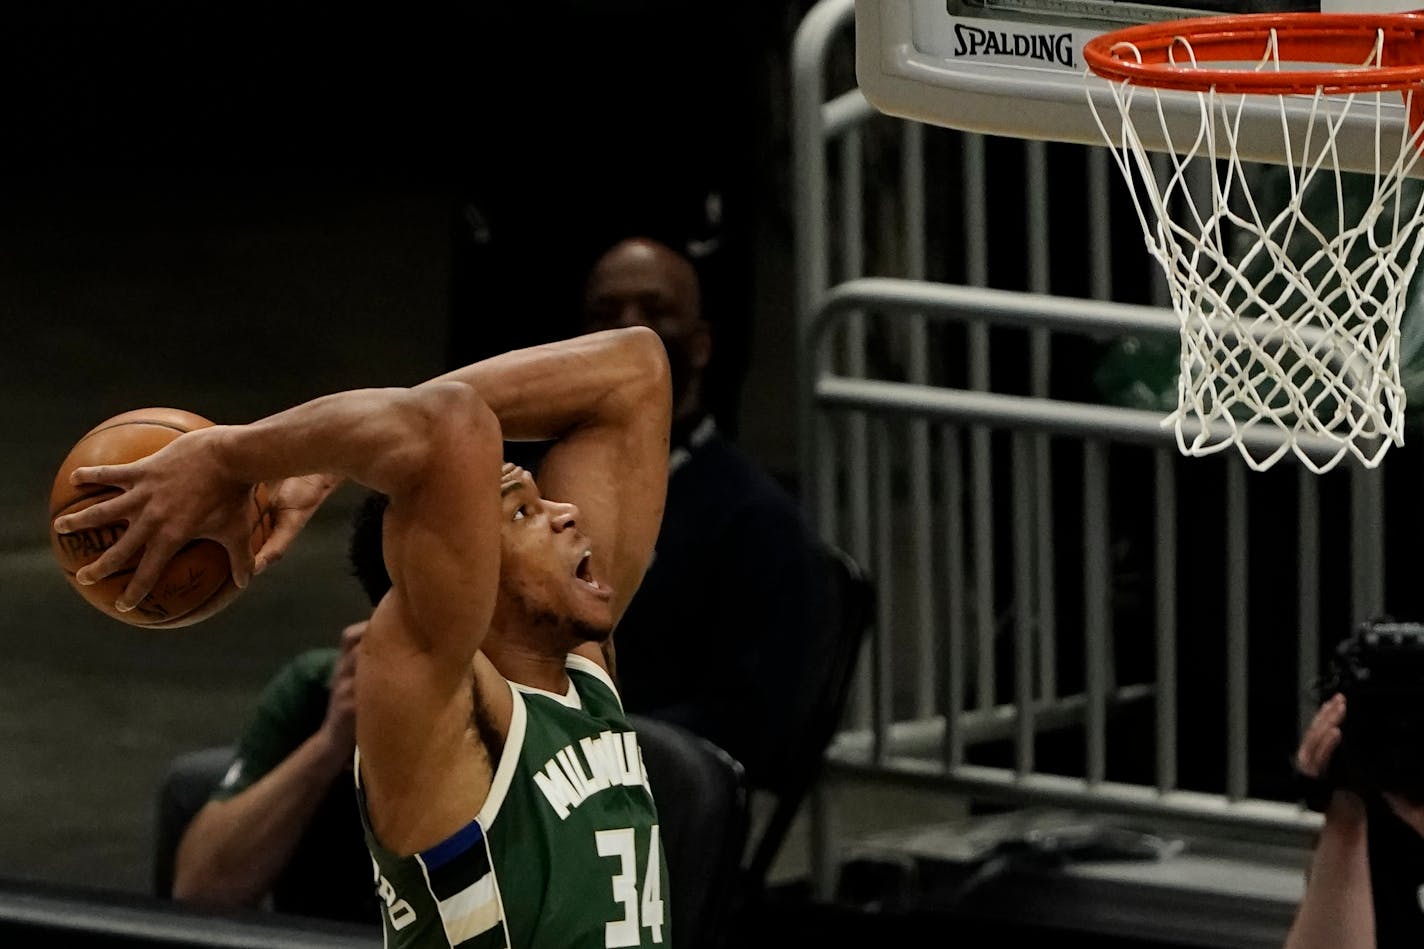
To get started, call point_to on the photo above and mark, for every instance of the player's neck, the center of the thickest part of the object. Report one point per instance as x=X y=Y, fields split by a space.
x=536 y=668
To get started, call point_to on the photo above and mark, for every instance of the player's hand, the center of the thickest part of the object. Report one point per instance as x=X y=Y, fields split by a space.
x=180 y=493
x=292 y=503
x=339 y=726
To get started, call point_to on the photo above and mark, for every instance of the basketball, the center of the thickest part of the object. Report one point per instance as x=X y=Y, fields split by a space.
x=197 y=583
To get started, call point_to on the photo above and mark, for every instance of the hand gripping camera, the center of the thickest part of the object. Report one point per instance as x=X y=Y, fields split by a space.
x=1380 y=671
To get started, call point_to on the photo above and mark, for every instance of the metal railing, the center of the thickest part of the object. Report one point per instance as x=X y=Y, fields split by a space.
x=953 y=624
x=1018 y=654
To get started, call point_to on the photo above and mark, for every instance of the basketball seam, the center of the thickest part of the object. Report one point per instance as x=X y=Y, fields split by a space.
x=136 y=421
x=84 y=497
x=109 y=428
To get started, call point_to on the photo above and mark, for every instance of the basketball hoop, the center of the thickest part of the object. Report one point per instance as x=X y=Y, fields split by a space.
x=1290 y=311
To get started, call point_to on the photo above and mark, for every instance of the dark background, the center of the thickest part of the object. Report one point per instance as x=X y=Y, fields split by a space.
x=231 y=208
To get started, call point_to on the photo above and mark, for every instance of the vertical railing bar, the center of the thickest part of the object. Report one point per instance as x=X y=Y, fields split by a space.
x=883 y=664
x=912 y=173
x=1036 y=184
x=976 y=247
x=1040 y=361
x=1166 y=631
x=976 y=244
x=811 y=220
x=981 y=464
x=1046 y=614
x=922 y=569
x=857 y=476
x=1366 y=543
x=912 y=194
x=1161 y=293
x=851 y=247
x=1023 y=498
x=1237 y=642
x=1095 y=602
x=828 y=496
x=1099 y=227
x=954 y=664
x=1307 y=591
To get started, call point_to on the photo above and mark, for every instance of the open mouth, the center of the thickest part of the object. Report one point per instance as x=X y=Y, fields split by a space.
x=584 y=570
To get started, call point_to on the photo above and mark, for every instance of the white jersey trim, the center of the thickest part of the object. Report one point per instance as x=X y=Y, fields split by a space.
x=589 y=667
x=508 y=761
x=472 y=911
x=570 y=699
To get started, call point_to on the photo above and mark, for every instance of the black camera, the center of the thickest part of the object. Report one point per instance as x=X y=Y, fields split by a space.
x=1380 y=671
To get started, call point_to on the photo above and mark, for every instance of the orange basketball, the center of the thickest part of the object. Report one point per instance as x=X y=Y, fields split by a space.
x=197 y=582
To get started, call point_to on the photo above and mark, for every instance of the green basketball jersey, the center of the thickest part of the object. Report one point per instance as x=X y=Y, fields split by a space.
x=565 y=851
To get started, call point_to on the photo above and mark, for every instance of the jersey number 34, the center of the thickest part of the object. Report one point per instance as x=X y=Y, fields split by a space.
x=638 y=912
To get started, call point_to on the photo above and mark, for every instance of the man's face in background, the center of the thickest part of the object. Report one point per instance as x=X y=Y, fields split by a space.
x=640 y=282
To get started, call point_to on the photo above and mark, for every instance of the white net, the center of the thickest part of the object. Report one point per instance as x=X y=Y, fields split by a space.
x=1290 y=282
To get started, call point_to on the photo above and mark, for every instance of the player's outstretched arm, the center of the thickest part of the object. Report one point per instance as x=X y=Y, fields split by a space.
x=403 y=442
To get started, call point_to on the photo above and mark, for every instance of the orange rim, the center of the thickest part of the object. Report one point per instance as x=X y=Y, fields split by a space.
x=1338 y=38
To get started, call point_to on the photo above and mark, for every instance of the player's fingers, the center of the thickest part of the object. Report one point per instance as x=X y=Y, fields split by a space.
x=239 y=556
x=156 y=555
x=100 y=514
x=117 y=475
x=285 y=528
x=117 y=557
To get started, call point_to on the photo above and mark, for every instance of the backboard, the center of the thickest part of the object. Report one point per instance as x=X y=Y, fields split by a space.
x=1015 y=67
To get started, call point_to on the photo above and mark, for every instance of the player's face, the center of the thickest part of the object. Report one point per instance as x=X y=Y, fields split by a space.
x=546 y=563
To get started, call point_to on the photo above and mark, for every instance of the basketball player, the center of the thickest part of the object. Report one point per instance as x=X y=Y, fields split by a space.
x=501 y=786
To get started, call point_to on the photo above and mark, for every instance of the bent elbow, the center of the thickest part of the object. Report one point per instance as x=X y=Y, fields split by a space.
x=432 y=417
x=457 y=413
x=650 y=349
x=454 y=408
x=649 y=360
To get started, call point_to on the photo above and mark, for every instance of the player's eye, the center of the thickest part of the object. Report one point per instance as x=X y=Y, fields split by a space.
x=521 y=512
